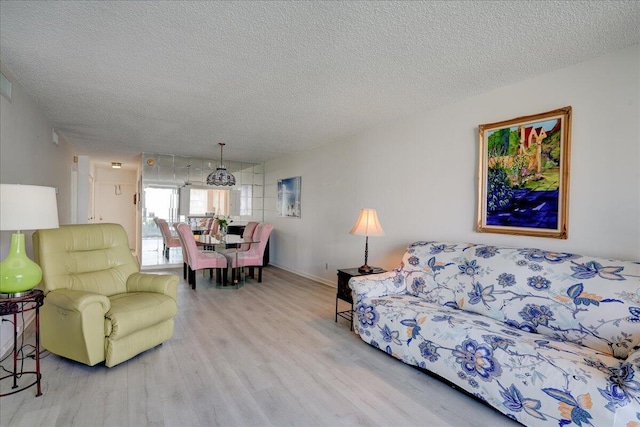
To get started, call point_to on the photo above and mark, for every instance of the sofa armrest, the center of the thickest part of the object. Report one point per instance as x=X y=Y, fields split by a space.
x=160 y=283
x=71 y=300
x=377 y=285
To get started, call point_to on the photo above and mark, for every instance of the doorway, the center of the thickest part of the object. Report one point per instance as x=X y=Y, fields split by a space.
x=114 y=204
x=158 y=202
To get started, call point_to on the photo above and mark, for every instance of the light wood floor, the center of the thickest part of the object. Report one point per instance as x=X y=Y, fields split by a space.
x=268 y=354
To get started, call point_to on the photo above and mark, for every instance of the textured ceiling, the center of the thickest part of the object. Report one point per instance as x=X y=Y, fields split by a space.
x=270 y=78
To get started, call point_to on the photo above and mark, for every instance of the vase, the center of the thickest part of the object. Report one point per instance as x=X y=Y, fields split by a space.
x=17 y=272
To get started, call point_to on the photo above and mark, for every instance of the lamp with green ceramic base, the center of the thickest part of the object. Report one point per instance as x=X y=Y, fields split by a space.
x=24 y=207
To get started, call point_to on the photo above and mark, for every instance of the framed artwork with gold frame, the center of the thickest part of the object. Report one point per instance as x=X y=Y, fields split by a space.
x=523 y=182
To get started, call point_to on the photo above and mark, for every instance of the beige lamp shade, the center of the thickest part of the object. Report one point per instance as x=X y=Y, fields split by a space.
x=27 y=207
x=367 y=224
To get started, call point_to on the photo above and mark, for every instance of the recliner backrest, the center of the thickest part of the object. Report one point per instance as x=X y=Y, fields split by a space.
x=87 y=257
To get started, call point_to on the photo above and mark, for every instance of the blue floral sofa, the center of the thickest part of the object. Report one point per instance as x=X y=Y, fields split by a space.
x=546 y=338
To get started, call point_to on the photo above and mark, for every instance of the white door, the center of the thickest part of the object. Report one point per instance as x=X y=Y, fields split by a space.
x=114 y=204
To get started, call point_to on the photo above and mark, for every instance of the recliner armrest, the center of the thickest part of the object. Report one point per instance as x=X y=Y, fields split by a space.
x=68 y=299
x=160 y=283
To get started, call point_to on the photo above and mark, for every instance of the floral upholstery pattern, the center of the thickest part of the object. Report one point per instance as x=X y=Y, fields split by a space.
x=547 y=338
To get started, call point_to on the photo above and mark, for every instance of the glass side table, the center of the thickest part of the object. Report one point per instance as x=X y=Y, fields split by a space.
x=13 y=306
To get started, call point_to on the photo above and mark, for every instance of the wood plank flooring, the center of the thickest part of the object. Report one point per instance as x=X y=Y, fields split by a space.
x=268 y=354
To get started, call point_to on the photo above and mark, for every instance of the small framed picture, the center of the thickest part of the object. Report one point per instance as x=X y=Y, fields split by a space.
x=289 y=191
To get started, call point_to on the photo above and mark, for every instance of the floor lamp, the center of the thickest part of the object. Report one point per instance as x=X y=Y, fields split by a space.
x=367 y=225
x=24 y=207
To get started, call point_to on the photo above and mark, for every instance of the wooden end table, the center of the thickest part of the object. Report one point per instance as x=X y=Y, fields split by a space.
x=344 y=292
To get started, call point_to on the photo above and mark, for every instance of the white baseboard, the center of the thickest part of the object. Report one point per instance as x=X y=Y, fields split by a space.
x=324 y=281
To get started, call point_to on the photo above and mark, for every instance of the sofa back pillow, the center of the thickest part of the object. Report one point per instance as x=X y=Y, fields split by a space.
x=590 y=301
x=422 y=265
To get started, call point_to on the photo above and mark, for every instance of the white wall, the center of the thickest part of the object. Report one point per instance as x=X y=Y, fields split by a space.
x=29 y=156
x=421 y=174
x=84 y=191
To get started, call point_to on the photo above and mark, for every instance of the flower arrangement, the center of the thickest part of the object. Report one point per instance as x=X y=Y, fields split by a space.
x=223 y=221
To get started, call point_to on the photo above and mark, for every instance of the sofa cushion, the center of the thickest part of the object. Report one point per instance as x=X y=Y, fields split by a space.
x=135 y=311
x=529 y=377
x=589 y=301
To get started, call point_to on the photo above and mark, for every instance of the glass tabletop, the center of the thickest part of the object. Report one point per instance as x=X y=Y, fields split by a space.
x=230 y=240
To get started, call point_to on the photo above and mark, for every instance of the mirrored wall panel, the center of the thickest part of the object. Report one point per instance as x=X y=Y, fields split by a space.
x=186 y=178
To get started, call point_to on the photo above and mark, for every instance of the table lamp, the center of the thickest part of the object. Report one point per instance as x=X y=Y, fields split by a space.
x=367 y=225
x=24 y=207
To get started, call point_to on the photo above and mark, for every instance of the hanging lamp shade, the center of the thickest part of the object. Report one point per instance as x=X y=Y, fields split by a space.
x=220 y=176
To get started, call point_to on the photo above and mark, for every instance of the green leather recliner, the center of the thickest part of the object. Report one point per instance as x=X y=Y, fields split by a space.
x=98 y=306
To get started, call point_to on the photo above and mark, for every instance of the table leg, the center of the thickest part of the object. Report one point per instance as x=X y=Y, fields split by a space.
x=237 y=269
x=16 y=306
x=38 y=376
x=352 y=315
x=15 y=350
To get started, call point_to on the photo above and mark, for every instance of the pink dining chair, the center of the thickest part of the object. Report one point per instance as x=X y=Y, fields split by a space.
x=208 y=225
x=247 y=234
x=168 y=239
x=185 y=254
x=198 y=260
x=254 y=256
x=214 y=228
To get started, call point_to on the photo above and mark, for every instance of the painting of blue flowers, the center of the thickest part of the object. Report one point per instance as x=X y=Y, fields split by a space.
x=523 y=180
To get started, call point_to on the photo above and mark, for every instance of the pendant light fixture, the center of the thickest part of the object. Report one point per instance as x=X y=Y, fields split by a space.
x=220 y=176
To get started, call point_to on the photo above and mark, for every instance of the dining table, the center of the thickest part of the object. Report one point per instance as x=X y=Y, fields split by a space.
x=223 y=245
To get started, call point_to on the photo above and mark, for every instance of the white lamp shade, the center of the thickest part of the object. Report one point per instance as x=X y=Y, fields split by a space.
x=27 y=207
x=367 y=224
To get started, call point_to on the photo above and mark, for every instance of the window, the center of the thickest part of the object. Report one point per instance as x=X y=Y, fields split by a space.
x=197 y=202
x=203 y=201
x=246 y=193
